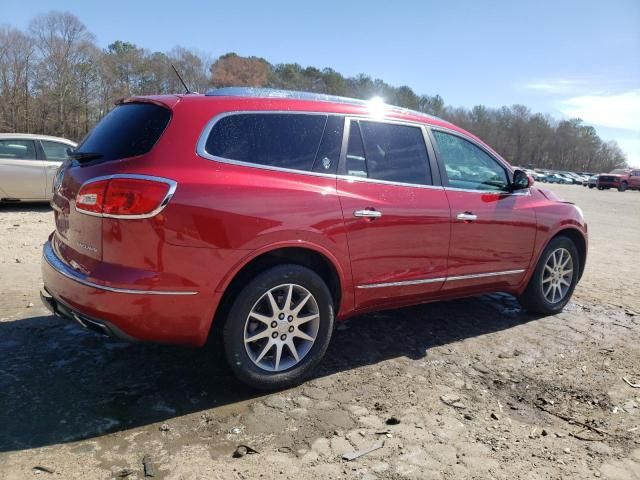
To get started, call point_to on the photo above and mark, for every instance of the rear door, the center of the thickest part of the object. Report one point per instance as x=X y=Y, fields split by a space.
x=397 y=219
x=492 y=229
x=22 y=173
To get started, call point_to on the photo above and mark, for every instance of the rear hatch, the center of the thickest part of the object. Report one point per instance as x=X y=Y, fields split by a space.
x=127 y=133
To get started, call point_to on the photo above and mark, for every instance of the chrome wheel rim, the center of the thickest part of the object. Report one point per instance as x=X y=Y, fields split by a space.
x=281 y=327
x=557 y=275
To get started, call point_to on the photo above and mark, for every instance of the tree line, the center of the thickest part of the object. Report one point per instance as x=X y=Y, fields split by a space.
x=55 y=80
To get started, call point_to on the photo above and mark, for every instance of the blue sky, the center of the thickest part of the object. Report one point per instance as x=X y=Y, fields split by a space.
x=562 y=57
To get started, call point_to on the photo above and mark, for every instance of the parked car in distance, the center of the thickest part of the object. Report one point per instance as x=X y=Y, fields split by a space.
x=557 y=178
x=258 y=218
x=621 y=178
x=28 y=165
x=592 y=182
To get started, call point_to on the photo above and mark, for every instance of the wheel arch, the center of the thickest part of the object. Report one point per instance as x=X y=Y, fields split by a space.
x=304 y=255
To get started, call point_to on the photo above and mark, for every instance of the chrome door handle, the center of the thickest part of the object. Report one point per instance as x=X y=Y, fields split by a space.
x=367 y=213
x=467 y=217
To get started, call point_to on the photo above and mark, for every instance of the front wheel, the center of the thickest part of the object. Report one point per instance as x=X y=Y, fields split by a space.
x=554 y=279
x=279 y=327
x=622 y=187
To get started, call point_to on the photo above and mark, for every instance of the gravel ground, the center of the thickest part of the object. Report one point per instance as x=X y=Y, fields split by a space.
x=467 y=389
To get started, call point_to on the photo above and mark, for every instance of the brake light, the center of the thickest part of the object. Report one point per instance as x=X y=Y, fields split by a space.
x=138 y=196
x=90 y=198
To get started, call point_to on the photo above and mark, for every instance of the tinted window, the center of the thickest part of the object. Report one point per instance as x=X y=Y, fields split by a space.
x=17 y=149
x=467 y=166
x=128 y=130
x=55 y=151
x=383 y=151
x=326 y=160
x=355 y=164
x=277 y=140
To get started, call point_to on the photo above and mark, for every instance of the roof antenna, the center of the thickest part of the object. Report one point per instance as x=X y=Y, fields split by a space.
x=187 y=91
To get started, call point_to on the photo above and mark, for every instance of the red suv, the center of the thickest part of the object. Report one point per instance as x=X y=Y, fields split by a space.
x=263 y=216
x=621 y=178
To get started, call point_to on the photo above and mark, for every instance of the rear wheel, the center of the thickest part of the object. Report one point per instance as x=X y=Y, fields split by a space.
x=279 y=327
x=554 y=279
x=622 y=187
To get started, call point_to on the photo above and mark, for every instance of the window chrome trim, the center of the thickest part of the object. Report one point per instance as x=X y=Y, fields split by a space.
x=59 y=266
x=204 y=136
x=523 y=192
x=202 y=142
x=441 y=279
x=173 y=185
x=354 y=178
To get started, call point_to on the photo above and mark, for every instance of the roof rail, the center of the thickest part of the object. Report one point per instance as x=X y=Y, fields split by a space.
x=260 y=92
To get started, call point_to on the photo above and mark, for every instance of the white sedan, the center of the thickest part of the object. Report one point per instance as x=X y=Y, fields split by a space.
x=28 y=165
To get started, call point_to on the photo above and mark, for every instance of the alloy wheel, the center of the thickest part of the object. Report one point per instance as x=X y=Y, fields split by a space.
x=281 y=327
x=557 y=275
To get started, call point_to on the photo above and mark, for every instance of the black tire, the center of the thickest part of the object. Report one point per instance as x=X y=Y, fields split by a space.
x=233 y=332
x=600 y=188
x=533 y=298
x=591 y=186
x=622 y=187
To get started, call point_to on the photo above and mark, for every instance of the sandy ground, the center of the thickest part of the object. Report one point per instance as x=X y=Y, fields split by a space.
x=467 y=389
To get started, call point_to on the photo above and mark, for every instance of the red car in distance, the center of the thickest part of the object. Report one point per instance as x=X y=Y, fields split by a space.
x=265 y=216
x=621 y=179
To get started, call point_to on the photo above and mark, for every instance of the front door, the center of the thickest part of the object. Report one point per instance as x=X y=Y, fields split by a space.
x=397 y=220
x=492 y=229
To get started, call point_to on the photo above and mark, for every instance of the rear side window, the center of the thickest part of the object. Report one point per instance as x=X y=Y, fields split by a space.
x=389 y=152
x=128 y=130
x=292 y=141
x=17 y=149
x=55 y=151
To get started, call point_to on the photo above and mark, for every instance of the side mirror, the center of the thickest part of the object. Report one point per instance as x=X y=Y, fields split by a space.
x=521 y=180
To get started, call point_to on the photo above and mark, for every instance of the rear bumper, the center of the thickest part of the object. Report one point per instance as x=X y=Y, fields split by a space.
x=166 y=316
x=61 y=310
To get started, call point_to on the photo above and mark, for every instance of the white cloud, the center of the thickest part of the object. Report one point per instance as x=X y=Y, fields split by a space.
x=615 y=111
x=555 y=86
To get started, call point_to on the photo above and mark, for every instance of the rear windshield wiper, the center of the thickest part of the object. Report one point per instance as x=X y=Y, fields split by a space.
x=83 y=156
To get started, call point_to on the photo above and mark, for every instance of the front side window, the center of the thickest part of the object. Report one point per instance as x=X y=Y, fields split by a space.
x=467 y=166
x=291 y=141
x=55 y=151
x=389 y=152
x=17 y=149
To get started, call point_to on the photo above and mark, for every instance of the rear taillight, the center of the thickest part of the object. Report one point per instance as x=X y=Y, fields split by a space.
x=126 y=196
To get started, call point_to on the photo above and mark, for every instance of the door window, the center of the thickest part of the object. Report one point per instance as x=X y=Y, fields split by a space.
x=389 y=152
x=55 y=151
x=467 y=166
x=17 y=149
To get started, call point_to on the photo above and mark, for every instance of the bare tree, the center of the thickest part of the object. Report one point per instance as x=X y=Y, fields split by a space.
x=63 y=44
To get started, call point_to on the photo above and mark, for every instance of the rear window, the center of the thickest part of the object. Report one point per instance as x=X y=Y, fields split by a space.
x=128 y=130
x=291 y=141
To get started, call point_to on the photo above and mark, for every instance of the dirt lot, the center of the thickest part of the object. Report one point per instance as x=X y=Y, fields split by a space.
x=468 y=389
